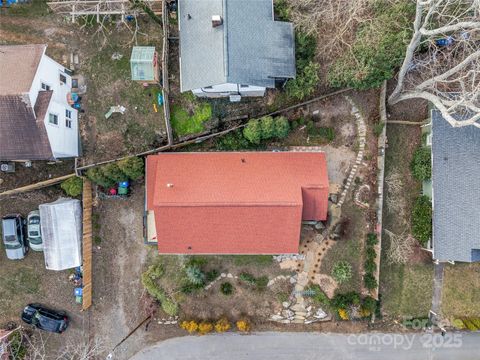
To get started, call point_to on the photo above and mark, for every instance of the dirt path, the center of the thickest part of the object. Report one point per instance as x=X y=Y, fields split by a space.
x=118 y=264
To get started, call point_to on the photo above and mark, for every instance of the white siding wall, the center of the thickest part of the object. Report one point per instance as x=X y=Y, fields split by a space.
x=227 y=89
x=63 y=140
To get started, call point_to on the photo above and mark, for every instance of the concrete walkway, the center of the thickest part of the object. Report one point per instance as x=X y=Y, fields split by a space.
x=435 y=313
x=316 y=346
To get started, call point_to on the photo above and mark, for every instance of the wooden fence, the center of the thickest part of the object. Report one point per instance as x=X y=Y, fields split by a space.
x=87 y=244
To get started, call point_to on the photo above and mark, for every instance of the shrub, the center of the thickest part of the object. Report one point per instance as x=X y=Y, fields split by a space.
x=369 y=281
x=370 y=304
x=232 y=141
x=96 y=176
x=372 y=239
x=73 y=186
x=16 y=346
x=370 y=253
x=421 y=165
x=469 y=324
x=282 y=11
x=190 y=326
x=222 y=325
x=267 y=125
x=458 y=324
x=253 y=131
x=132 y=167
x=282 y=127
x=305 y=48
x=194 y=275
x=112 y=171
x=342 y=271
x=342 y=313
x=422 y=219
x=205 y=327
x=211 y=275
x=305 y=82
x=343 y=301
x=318 y=296
x=248 y=278
x=326 y=134
x=97 y=240
x=169 y=307
x=226 y=288
x=370 y=266
x=153 y=273
x=243 y=326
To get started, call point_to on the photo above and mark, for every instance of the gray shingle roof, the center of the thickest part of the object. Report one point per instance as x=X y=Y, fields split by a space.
x=456 y=191
x=22 y=137
x=248 y=48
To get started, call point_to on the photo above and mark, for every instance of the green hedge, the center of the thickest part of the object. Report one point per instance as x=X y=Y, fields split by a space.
x=422 y=219
x=421 y=165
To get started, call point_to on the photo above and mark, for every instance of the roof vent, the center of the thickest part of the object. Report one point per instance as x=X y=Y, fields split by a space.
x=169 y=185
x=216 y=20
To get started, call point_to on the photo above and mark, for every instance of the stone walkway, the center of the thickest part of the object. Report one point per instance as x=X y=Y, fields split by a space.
x=361 y=137
x=314 y=251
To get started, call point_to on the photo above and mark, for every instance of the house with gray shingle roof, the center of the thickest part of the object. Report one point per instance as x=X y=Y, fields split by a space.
x=456 y=191
x=233 y=47
x=37 y=122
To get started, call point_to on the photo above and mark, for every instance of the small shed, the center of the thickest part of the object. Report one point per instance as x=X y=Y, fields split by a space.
x=144 y=64
x=61 y=225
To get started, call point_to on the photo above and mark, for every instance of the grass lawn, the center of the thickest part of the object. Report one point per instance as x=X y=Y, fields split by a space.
x=348 y=248
x=461 y=290
x=406 y=289
x=184 y=124
x=410 y=290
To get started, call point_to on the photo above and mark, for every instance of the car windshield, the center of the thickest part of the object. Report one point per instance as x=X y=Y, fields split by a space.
x=10 y=238
x=34 y=220
x=34 y=233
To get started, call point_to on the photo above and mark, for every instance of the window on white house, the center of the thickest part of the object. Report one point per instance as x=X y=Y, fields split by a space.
x=45 y=87
x=53 y=119
x=243 y=86
x=63 y=78
x=68 y=114
x=68 y=123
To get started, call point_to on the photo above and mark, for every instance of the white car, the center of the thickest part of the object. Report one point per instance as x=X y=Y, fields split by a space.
x=34 y=234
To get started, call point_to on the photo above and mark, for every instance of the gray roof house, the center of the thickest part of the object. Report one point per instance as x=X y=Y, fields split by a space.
x=456 y=191
x=233 y=47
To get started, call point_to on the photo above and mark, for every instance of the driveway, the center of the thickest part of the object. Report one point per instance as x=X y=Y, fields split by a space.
x=309 y=346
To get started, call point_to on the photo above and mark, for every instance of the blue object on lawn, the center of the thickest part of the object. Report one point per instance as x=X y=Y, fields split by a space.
x=160 y=99
x=78 y=291
x=129 y=17
x=123 y=184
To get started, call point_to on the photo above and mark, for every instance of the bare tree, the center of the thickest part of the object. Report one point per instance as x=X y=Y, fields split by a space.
x=442 y=60
x=401 y=247
x=334 y=21
x=33 y=346
x=395 y=200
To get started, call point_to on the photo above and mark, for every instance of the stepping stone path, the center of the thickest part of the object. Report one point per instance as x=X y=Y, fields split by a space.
x=361 y=135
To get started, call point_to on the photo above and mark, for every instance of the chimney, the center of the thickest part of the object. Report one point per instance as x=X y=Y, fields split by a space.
x=216 y=20
x=169 y=185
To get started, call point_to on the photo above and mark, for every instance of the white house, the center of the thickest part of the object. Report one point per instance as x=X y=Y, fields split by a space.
x=232 y=48
x=36 y=120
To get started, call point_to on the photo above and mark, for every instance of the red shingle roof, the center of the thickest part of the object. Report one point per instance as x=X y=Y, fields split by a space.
x=235 y=203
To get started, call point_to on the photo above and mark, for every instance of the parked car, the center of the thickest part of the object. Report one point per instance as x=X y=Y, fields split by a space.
x=45 y=318
x=33 y=231
x=13 y=236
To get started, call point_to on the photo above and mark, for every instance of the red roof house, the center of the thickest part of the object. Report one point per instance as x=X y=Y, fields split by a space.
x=234 y=202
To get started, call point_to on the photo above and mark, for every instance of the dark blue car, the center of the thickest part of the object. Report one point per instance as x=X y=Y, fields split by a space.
x=45 y=318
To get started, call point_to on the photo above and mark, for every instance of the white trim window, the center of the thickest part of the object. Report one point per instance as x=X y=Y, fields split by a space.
x=45 y=87
x=68 y=118
x=53 y=119
x=63 y=79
